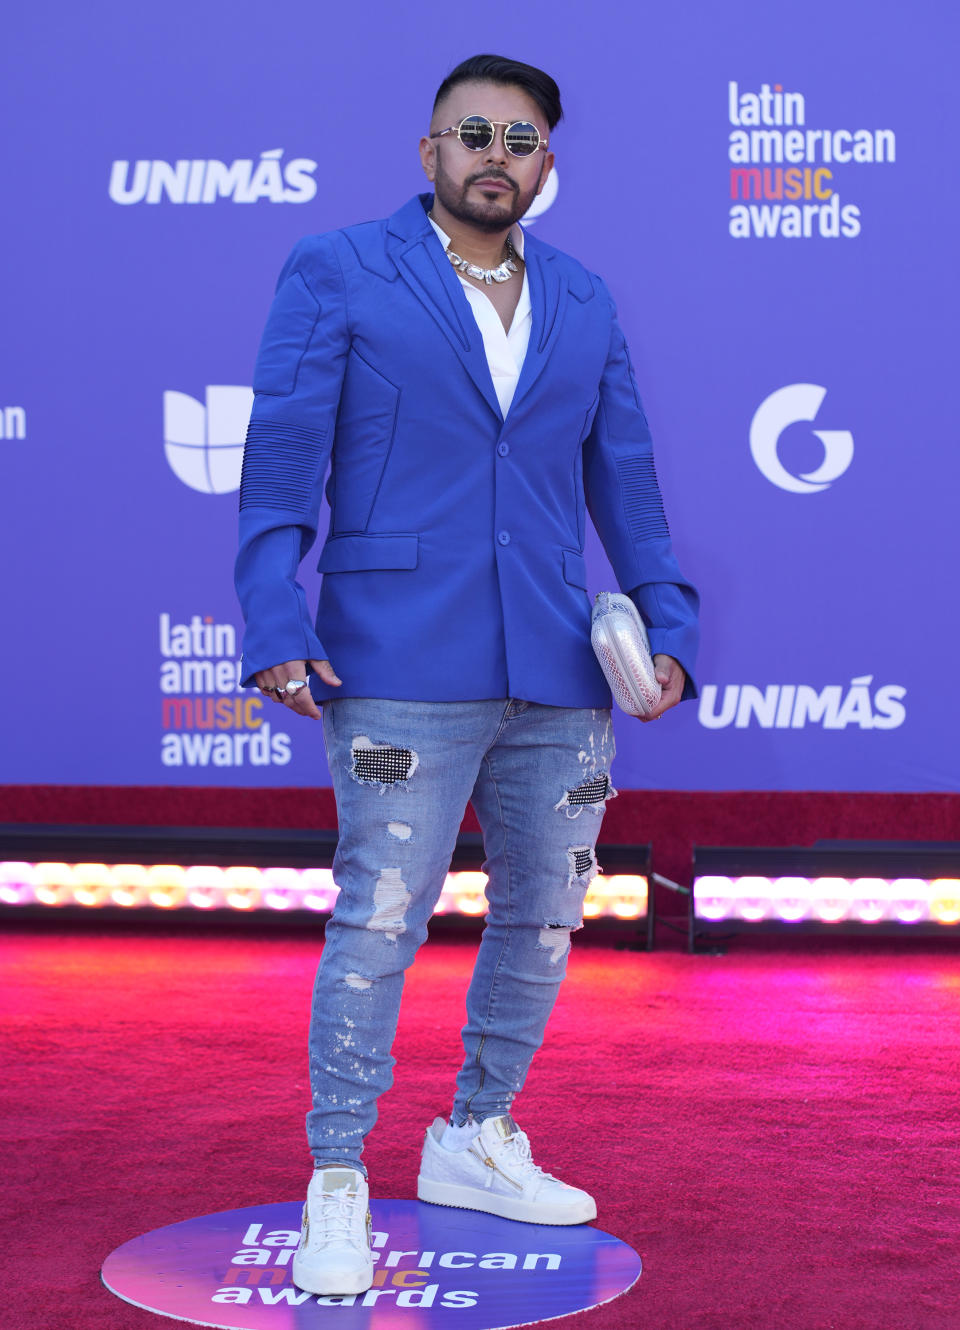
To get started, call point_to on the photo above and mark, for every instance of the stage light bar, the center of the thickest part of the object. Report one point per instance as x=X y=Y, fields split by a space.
x=826 y=900
x=879 y=887
x=246 y=889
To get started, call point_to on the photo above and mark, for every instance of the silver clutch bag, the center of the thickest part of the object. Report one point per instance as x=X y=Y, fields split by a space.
x=619 y=639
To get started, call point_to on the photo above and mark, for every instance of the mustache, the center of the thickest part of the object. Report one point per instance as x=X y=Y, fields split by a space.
x=491 y=175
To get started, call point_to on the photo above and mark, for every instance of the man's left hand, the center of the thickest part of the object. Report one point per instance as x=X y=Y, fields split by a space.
x=671 y=677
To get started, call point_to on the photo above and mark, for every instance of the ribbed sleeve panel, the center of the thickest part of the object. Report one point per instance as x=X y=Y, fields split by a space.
x=280 y=464
x=641 y=498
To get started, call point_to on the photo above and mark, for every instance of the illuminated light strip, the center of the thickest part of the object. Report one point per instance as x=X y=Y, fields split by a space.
x=207 y=887
x=828 y=900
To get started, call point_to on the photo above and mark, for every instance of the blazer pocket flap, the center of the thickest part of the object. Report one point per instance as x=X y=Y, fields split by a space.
x=575 y=569
x=361 y=554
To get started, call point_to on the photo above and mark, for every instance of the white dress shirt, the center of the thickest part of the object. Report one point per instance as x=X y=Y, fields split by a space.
x=505 y=351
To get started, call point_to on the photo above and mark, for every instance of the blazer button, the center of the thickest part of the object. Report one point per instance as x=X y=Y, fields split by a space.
x=503 y=537
x=503 y=449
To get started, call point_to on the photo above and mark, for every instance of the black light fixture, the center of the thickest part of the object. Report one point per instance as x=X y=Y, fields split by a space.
x=873 y=887
x=225 y=871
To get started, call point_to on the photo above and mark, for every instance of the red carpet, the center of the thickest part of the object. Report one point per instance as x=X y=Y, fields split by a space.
x=774 y=1130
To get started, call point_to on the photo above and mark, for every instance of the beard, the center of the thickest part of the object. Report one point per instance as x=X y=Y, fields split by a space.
x=494 y=215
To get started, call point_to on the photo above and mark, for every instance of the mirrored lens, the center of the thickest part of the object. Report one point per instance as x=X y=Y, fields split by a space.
x=521 y=138
x=476 y=132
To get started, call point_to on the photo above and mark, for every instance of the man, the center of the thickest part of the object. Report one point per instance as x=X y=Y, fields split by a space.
x=471 y=390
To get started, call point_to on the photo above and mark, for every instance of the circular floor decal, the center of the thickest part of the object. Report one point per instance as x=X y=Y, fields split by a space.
x=436 y=1267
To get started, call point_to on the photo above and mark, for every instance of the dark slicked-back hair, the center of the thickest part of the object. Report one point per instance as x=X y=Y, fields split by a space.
x=498 y=69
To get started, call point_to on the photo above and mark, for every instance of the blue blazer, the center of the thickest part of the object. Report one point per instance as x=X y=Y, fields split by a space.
x=453 y=564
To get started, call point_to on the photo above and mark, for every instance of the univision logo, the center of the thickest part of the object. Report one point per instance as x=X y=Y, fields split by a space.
x=186 y=180
x=787 y=406
x=204 y=441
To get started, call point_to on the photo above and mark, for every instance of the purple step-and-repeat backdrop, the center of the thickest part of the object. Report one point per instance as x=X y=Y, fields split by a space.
x=767 y=191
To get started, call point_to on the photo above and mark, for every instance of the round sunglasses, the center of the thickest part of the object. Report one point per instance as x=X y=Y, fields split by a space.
x=476 y=132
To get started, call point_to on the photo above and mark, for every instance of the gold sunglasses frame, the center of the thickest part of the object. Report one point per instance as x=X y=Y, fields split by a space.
x=455 y=129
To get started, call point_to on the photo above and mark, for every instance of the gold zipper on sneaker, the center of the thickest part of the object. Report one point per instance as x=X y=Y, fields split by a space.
x=490 y=1164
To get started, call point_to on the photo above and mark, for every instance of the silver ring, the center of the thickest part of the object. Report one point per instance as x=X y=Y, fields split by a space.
x=293 y=686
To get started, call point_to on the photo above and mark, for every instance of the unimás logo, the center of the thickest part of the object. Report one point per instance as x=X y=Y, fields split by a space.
x=204 y=441
x=198 y=180
x=797 y=402
x=794 y=706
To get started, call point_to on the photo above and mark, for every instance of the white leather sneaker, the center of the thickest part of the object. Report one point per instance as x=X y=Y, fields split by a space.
x=334 y=1252
x=495 y=1172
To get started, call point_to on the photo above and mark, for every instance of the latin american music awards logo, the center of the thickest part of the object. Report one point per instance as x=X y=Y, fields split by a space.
x=434 y=1267
x=786 y=176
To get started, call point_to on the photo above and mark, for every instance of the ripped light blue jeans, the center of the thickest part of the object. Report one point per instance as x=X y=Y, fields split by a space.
x=538 y=778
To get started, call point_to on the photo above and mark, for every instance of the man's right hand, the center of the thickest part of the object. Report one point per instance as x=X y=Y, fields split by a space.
x=277 y=677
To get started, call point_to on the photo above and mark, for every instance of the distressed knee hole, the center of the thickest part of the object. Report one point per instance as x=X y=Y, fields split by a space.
x=555 y=938
x=592 y=793
x=390 y=901
x=357 y=982
x=381 y=764
x=583 y=866
x=400 y=830
x=581 y=857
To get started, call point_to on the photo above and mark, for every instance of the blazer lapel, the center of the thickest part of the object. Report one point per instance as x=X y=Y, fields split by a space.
x=429 y=274
x=547 y=287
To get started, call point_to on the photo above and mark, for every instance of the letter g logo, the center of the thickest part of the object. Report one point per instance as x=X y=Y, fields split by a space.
x=786 y=406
